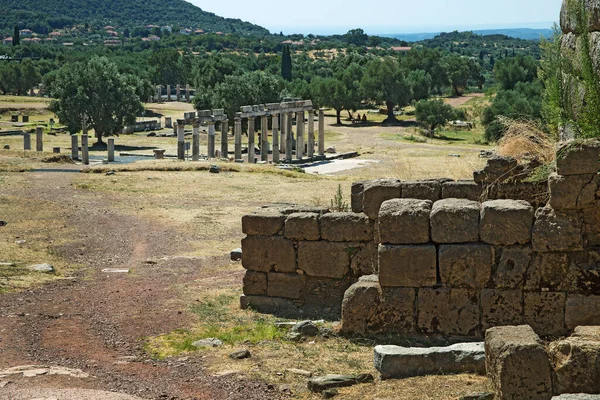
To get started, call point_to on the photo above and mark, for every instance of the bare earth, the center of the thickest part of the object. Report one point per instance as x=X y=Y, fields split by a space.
x=94 y=321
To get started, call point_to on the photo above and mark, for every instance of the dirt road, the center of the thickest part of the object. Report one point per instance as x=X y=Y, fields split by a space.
x=96 y=321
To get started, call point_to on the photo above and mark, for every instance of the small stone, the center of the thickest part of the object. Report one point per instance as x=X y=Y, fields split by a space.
x=330 y=393
x=4 y=383
x=240 y=354
x=214 y=169
x=45 y=268
x=321 y=383
x=236 y=254
x=7 y=147
x=208 y=342
x=3 y=223
x=294 y=336
x=306 y=328
x=20 y=242
x=7 y=264
x=110 y=173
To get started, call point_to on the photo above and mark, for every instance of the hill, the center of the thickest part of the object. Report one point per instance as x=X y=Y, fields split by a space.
x=517 y=33
x=43 y=15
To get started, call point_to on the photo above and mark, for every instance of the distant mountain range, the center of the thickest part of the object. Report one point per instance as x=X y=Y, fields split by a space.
x=519 y=33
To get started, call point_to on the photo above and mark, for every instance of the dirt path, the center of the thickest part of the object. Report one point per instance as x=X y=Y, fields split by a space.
x=96 y=321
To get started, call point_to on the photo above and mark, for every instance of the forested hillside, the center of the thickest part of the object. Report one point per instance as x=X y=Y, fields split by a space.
x=44 y=15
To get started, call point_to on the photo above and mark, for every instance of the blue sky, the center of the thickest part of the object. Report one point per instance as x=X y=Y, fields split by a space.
x=386 y=16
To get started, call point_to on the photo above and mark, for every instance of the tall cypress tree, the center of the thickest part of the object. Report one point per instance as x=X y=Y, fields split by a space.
x=16 y=36
x=286 y=64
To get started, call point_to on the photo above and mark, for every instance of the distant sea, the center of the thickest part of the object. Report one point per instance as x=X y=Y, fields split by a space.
x=520 y=33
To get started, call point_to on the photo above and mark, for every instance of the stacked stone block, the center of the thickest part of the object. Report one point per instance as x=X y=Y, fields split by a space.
x=301 y=260
x=438 y=265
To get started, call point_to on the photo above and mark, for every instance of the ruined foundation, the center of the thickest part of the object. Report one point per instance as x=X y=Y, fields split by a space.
x=438 y=257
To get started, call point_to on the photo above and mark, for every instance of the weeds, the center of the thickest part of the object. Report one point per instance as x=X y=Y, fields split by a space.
x=337 y=204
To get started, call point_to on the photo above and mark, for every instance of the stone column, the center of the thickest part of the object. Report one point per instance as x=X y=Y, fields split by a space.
x=111 y=150
x=283 y=137
x=168 y=93
x=39 y=138
x=26 y=141
x=224 y=136
x=187 y=93
x=75 y=147
x=299 y=135
x=158 y=94
x=211 y=139
x=321 y=132
x=237 y=133
x=168 y=122
x=85 y=156
x=289 y=137
x=180 y=139
x=264 y=138
x=178 y=92
x=196 y=141
x=311 y=134
x=275 y=119
x=251 y=154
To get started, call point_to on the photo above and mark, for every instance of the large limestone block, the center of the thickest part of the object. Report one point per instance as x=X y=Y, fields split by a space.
x=582 y=310
x=573 y=191
x=287 y=286
x=448 y=312
x=578 y=157
x=325 y=259
x=584 y=272
x=407 y=266
x=568 y=19
x=285 y=308
x=404 y=221
x=462 y=190
x=360 y=305
x=579 y=396
x=405 y=362
x=512 y=267
x=591 y=226
x=356 y=196
x=557 y=231
x=548 y=271
x=466 y=265
x=576 y=361
x=323 y=296
x=264 y=254
x=518 y=364
x=365 y=260
x=263 y=223
x=501 y=307
x=346 y=227
x=255 y=283
x=455 y=221
x=506 y=222
x=545 y=312
x=423 y=190
x=395 y=312
x=376 y=192
x=302 y=226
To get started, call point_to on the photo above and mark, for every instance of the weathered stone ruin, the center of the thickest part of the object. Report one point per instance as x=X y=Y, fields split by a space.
x=438 y=257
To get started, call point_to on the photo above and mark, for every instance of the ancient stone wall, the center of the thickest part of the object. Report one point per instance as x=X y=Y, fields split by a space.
x=437 y=257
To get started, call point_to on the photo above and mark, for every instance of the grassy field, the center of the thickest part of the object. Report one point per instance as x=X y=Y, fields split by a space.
x=209 y=207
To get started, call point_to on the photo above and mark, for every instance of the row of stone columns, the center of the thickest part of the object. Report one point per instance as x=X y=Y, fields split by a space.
x=178 y=94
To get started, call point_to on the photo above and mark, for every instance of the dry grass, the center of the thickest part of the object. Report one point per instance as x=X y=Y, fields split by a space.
x=42 y=226
x=525 y=140
x=218 y=315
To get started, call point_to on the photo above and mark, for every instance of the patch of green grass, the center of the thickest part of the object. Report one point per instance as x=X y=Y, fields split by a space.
x=467 y=136
x=541 y=173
